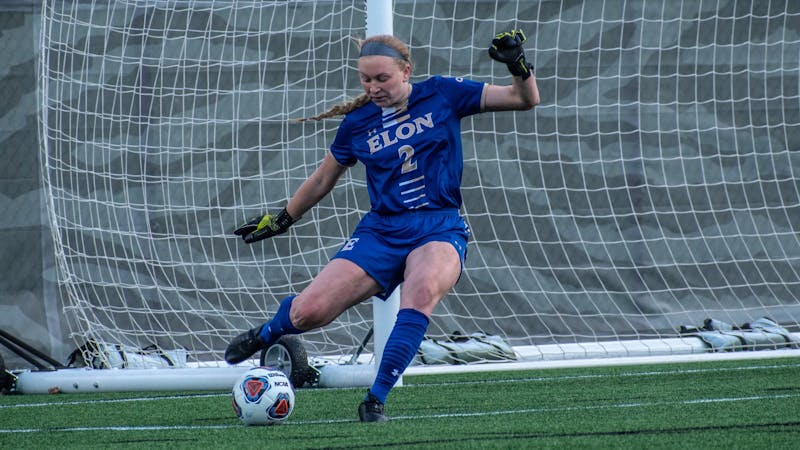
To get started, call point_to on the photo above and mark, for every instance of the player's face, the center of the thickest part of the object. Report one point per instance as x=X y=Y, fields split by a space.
x=384 y=80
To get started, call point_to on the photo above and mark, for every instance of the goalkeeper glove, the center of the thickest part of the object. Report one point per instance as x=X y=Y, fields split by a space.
x=507 y=48
x=262 y=227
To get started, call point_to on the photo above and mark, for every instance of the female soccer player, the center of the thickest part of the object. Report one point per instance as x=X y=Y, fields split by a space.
x=408 y=136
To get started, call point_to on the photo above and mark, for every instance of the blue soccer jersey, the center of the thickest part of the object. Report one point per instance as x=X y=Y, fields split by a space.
x=413 y=156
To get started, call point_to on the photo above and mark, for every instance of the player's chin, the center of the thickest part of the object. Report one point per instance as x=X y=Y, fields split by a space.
x=381 y=101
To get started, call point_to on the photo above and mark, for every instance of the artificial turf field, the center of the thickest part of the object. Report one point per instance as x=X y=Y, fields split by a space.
x=743 y=404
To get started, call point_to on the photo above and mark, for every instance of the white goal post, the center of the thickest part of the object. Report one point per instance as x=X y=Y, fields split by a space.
x=655 y=186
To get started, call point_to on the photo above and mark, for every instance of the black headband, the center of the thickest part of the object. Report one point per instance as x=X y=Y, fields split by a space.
x=372 y=48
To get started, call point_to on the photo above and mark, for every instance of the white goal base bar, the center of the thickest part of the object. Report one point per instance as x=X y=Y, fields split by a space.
x=612 y=349
x=605 y=362
x=83 y=380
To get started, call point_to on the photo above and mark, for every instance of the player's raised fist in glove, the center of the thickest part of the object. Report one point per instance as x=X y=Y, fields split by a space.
x=507 y=48
x=262 y=227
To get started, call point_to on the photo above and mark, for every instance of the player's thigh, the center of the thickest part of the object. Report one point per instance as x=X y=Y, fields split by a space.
x=431 y=271
x=340 y=285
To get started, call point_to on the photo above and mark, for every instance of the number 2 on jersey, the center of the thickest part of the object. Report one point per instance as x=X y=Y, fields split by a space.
x=406 y=152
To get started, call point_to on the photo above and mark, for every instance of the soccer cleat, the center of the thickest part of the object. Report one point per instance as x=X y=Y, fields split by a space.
x=371 y=410
x=244 y=346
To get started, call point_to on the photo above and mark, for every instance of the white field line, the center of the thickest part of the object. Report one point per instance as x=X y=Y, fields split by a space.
x=416 y=417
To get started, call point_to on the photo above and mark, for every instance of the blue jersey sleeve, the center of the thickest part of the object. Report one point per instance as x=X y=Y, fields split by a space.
x=342 y=148
x=463 y=95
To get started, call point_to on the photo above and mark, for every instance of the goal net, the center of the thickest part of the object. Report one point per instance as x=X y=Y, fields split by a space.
x=656 y=185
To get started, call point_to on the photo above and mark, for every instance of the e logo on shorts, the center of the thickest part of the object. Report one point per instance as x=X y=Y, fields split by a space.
x=349 y=244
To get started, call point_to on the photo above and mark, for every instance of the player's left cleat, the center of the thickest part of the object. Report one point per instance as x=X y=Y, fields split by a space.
x=244 y=346
x=371 y=410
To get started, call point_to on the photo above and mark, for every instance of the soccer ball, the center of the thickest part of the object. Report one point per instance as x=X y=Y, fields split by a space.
x=263 y=396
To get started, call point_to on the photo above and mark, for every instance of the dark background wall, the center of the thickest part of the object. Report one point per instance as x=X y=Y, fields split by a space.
x=29 y=306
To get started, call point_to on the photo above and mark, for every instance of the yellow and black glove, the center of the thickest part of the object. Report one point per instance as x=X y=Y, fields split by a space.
x=265 y=226
x=507 y=48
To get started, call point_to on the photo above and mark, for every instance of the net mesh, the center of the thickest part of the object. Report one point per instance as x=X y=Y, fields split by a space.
x=654 y=186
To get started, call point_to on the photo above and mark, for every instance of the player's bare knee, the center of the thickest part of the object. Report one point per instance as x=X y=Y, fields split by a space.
x=306 y=315
x=421 y=296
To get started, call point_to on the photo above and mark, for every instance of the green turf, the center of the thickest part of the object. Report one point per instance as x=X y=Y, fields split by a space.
x=715 y=405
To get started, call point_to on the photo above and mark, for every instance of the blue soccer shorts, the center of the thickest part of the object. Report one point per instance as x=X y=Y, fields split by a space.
x=380 y=244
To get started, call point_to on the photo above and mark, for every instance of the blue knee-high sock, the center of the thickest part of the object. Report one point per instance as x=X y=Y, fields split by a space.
x=280 y=324
x=403 y=343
